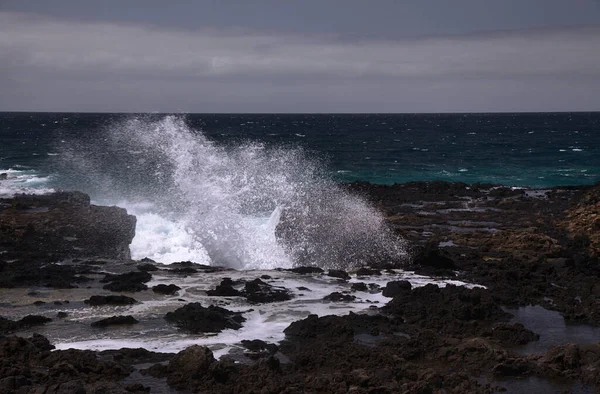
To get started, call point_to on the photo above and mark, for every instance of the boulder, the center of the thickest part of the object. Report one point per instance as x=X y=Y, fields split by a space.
x=115 y=321
x=257 y=291
x=64 y=225
x=195 y=318
x=98 y=300
x=396 y=287
x=224 y=289
x=166 y=289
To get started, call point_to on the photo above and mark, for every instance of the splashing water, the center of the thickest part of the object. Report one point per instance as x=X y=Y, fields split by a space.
x=246 y=206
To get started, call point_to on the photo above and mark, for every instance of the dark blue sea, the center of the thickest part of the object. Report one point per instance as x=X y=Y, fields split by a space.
x=537 y=150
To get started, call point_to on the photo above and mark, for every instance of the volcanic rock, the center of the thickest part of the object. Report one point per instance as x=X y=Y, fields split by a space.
x=131 y=281
x=194 y=318
x=259 y=292
x=98 y=300
x=512 y=334
x=339 y=297
x=338 y=274
x=64 y=225
x=166 y=289
x=115 y=320
x=307 y=270
x=224 y=289
x=396 y=287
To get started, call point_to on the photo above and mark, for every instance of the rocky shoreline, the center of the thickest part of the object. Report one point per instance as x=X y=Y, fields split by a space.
x=526 y=247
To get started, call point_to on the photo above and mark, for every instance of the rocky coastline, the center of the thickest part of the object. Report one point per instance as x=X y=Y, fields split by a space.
x=524 y=246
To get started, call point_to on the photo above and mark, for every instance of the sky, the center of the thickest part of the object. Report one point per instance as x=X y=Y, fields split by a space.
x=317 y=56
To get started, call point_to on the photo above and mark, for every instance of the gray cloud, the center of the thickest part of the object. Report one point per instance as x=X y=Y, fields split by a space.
x=52 y=64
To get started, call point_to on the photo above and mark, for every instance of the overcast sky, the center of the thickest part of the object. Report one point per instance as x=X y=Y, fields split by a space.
x=300 y=55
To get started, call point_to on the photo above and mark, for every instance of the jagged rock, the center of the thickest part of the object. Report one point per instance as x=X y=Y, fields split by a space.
x=98 y=300
x=166 y=289
x=512 y=334
x=307 y=270
x=224 y=289
x=115 y=320
x=368 y=272
x=130 y=281
x=360 y=286
x=64 y=225
x=451 y=309
x=258 y=291
x=257 y=345
x=148 y=267
x=339 y=297
x=338 y=274
x=36 y=273
x=396 y=287
x=8 y=326
x=195 y=319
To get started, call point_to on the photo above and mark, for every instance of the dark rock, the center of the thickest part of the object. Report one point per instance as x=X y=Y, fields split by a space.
x=339 y=297
x=307 y=270
x=33 y=320
x=257 y=291
x=512 y=334
x=265 y=277
x=38 y=303
x=188 y=267
x=360 y=286
x=452 y=310
x=257 y=345
x=368 y=272
x=338 y=274
x=166 y=289
x=148 y=267
x=62 y=315
x=37 y=273
x=224 y=289
x=432 y=257
x=3 y=176
x=193 y=361
x=130 y=281
x=396 y=287
x=64 y=225
x=110 y=300
x=8 y=326
x=115 y=320
x=195 y=319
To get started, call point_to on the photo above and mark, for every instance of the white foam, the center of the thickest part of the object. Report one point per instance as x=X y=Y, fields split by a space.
x=22 y=181
x=265 y=321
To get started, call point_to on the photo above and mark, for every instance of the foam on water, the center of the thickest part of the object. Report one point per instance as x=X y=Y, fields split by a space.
x=22 y=181
x=266 y=321
x=200 y=201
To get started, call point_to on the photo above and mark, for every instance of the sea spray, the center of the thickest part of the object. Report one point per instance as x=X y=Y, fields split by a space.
x=245 y=205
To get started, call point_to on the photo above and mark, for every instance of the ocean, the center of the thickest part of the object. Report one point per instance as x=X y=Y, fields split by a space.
x=210 y=188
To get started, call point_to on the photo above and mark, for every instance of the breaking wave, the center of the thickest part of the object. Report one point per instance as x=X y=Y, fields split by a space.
x=245 y=205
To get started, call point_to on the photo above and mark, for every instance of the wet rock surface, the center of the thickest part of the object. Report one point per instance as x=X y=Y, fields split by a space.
x=64 y=225
x=527 y=247
x=99 y=300
x=195 y=318
x=166 y=289
x=115 y=321
x=258 y=291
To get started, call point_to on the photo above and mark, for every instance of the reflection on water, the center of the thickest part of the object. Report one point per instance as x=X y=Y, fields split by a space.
x=552 y=329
